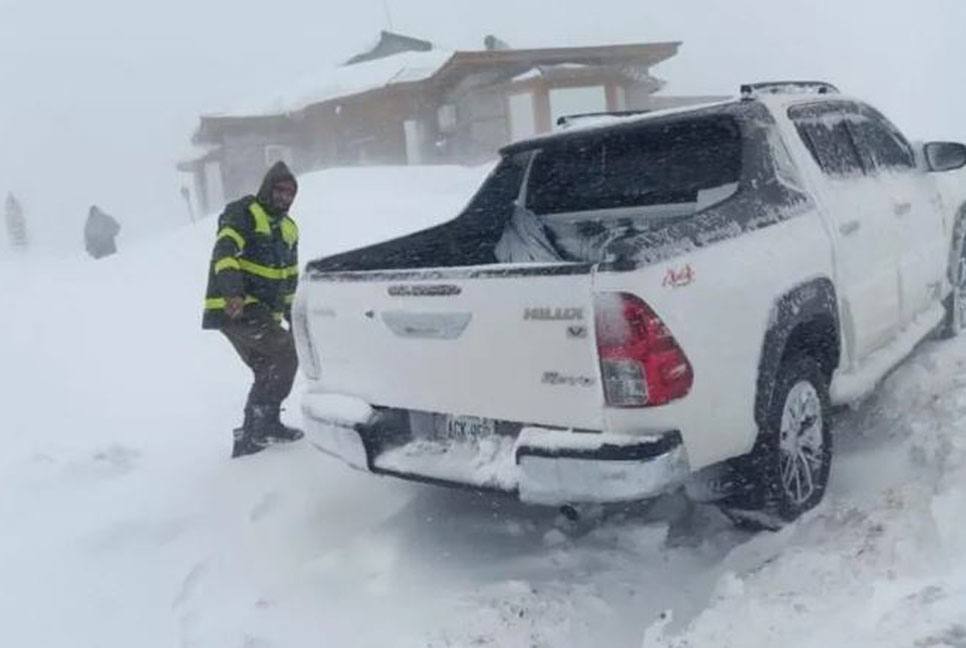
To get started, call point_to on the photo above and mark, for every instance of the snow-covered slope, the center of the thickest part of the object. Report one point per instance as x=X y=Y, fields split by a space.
x=124 y=523
x=883 y=561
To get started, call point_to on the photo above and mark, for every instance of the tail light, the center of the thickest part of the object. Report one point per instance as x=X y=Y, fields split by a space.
x=641 y=363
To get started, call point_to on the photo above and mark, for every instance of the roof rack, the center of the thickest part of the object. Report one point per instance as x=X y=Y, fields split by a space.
x=751 y=90
x=570 y=120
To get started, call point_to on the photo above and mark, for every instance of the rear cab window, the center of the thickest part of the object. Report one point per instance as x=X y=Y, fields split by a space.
x=667 y=164
x=584 y=191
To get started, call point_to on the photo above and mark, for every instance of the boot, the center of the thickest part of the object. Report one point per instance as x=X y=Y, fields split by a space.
x=246 y=439
x=269 y=429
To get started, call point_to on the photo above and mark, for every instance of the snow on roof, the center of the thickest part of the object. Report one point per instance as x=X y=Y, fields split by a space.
x=345 y=81
x=538 y=71
x=411 y=66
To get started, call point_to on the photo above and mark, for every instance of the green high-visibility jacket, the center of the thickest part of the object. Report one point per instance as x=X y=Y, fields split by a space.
x=255 y=257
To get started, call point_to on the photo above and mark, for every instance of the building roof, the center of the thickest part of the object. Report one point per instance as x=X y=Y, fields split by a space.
x=436 y=66
x=639 y=54
x=345 y=81
x=439 y=65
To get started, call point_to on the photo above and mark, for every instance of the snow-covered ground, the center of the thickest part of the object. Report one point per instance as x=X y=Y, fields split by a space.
x=124 y=523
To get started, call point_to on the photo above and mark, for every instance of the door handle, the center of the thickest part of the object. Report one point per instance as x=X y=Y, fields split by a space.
x=850 y=228
x=901 y=209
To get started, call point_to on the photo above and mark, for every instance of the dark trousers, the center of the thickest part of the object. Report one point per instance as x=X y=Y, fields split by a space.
x=269 y=350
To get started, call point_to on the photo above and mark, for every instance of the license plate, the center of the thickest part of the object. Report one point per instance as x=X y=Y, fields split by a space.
x=462 y=427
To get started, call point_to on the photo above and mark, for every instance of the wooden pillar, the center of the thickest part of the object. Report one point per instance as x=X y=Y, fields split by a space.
x=541 y=108
x=610 y=91
x=428 y=111
x=201 y=188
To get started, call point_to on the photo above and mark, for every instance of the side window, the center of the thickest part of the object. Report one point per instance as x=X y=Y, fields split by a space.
x=881 y=146
x=824 y=130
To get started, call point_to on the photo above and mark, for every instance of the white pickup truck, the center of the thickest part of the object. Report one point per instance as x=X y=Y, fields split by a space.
x=644 y=303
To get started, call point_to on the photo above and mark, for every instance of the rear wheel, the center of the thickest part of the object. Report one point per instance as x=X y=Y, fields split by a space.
x=786 y=473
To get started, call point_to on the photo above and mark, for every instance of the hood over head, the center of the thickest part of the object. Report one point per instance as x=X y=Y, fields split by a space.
x=278 y=173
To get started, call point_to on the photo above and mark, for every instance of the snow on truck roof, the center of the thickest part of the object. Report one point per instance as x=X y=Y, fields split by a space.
x=775 y=95
x=604 y=121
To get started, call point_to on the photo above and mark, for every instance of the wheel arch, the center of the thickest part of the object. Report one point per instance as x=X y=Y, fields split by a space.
x=803 y=320
x=959 y=230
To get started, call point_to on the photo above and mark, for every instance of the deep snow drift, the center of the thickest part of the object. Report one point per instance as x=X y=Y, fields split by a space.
x=124 y=523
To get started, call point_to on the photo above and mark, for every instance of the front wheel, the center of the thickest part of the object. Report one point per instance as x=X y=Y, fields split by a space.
x=787 y=472
x=955 y=303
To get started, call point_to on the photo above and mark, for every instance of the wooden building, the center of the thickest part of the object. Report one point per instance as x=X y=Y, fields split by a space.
x=407 y=102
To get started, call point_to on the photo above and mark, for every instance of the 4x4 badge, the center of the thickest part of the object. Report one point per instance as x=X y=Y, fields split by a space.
x=679 y=277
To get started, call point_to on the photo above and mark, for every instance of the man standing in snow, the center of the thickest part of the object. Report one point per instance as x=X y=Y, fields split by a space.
x=99 y=232
x=251 y=283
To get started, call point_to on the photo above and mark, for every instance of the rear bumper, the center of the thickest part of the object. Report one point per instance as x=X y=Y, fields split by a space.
x=537 y=465
x=617 y=468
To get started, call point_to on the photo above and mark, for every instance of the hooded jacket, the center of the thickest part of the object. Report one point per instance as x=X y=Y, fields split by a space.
x=255 y=257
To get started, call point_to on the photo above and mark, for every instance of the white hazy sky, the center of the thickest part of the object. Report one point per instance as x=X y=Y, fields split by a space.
x=100 y=97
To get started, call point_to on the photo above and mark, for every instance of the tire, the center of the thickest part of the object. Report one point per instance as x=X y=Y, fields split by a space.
x=787 y=472
x=955 y=303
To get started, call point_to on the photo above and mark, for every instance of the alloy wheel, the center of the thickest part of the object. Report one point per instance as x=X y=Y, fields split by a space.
x=801 y=443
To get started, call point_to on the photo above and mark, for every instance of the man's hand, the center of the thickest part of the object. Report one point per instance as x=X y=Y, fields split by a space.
x=234 y=306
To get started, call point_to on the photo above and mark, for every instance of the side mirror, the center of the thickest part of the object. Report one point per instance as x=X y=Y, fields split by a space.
x=945 y=156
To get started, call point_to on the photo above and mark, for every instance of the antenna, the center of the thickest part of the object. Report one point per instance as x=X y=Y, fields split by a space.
x=385 y=6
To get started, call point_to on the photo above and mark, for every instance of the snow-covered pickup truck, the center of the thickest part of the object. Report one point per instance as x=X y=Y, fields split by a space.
x=643 y=303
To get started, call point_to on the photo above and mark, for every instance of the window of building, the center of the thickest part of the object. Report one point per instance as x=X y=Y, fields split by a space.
x=446 y=116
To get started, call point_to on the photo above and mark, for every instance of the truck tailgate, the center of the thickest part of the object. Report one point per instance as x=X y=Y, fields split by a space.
x=515 y=343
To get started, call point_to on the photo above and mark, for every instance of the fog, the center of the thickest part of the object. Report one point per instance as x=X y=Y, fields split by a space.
x=100 y=98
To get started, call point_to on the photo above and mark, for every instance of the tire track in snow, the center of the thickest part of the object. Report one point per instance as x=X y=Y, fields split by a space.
x=880 y=562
